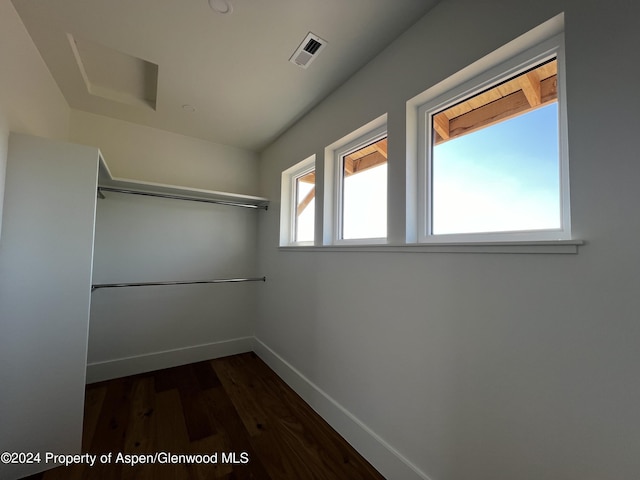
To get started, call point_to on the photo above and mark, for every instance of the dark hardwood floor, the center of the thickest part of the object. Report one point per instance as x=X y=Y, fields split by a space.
x=228 y=405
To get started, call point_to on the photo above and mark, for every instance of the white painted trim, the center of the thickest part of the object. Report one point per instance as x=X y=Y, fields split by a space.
x=122 y=367
x=529 y=247
x=386 y=459
x=288 y=200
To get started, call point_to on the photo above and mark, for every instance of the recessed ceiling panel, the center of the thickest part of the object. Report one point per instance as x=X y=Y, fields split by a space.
x=114 y=75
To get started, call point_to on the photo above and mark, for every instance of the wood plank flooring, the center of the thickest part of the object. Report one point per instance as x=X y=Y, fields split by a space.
x=233 y=405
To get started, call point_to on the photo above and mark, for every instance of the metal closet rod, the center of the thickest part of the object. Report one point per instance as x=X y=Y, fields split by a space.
x=178 y=197
x=192 y=282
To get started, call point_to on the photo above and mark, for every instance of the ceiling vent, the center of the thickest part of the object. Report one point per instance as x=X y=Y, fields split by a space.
x=308 y=50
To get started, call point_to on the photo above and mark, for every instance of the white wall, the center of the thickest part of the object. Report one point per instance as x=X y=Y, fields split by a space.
x=481 y=366
x=142 y=239
x=30 y=101
x=45 y=284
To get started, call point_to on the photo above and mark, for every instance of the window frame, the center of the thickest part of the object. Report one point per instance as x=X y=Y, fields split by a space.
x=551 y=48
x=288 y=202
x=371 y=136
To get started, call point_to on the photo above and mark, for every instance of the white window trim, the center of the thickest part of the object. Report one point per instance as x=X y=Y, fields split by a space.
x=553 y=47
x=523 y=247
x=288 y=202
x=339 y=153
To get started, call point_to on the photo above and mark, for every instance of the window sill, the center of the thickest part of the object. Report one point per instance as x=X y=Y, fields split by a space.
x=533 y=247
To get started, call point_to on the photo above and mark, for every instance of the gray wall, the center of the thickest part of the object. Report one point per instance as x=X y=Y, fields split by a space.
x=30 y=101
x=483 y=366
x=138 y=152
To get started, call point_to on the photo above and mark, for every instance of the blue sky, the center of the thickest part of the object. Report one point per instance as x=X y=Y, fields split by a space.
x=501 y=178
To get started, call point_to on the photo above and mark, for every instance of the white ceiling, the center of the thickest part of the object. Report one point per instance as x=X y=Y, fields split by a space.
x=233 y=69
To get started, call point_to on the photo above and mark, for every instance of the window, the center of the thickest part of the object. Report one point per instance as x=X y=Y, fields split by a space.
x=361 y=189
x=297 y=214
x=303 y=217
x=494 y=161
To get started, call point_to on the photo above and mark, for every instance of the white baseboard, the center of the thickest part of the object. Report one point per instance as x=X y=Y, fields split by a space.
x=386 y=459
x=122 y=367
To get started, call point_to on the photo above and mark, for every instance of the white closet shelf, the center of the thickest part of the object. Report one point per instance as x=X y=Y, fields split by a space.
x=108 y=181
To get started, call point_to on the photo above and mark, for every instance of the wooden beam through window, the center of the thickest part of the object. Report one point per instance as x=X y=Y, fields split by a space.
x=365 y=158
x=381 y=147
x=306 y=201
x=533 y=89
x=307 y=178
x=370 y=161
x=441 y=125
